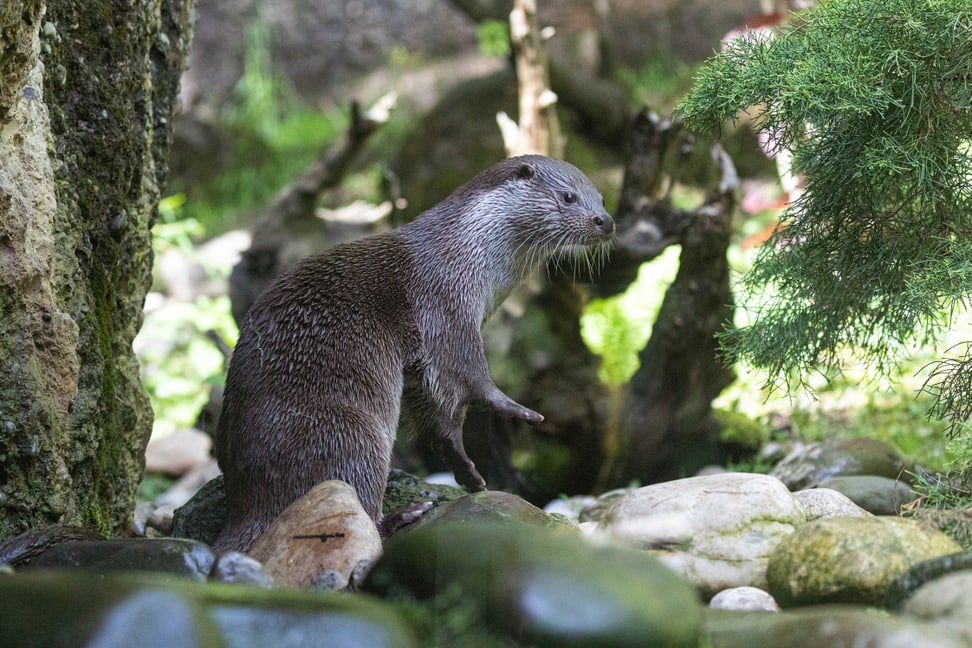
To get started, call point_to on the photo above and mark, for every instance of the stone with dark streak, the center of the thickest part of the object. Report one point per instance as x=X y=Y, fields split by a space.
x=323 y=541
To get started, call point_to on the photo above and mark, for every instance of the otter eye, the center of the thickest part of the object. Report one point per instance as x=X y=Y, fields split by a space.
x=570 y=197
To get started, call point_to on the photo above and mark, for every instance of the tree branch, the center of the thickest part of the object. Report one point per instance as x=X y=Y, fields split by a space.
x=539 y=128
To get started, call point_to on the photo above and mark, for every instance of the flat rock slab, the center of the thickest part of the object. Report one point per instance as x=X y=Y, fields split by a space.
x=878 y=495
x=175 y=556
x=716 y=530
x=812 y=464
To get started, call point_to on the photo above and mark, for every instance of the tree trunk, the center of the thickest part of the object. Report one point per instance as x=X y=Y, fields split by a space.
x=666 y=429
x=87 y=96
x=662 y=425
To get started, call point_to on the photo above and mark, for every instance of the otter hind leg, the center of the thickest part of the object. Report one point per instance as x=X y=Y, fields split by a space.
x=353 y=446
x=443 y=434
x=240 y=534
x=294 y=454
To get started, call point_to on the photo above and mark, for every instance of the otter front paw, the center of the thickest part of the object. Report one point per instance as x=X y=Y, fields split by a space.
x=512 y=409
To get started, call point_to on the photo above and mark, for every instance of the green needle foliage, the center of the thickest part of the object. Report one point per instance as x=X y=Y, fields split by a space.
x=874 y=99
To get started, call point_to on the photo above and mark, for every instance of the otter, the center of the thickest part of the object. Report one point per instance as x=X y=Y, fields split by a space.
x=346 y=341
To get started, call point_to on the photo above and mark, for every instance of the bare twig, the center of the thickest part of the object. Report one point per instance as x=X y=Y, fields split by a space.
x=297 y=200
x=539 y=129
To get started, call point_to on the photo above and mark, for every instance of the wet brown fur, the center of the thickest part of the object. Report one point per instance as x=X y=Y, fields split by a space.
x=338 y=345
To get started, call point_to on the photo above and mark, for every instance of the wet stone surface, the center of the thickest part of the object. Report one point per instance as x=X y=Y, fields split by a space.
x=716 y=530
x=173 y=556
x=544 y=586
x=633 y=567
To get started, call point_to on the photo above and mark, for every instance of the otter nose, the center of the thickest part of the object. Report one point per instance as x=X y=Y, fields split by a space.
x=604 y=223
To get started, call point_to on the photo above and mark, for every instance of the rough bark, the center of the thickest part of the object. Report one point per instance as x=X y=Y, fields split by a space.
x=84 y=140
x=647 y=221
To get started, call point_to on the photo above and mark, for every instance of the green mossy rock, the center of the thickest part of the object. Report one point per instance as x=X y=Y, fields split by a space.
x=404 y=489
x=55 y=609
x=849 y=559
x=544 y=587
x=495 y=507
x=821 y=461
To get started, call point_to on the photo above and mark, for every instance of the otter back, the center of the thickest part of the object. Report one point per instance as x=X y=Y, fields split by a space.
x=318 y=393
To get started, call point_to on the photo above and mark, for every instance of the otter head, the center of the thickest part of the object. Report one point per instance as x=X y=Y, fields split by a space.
x=557 y=209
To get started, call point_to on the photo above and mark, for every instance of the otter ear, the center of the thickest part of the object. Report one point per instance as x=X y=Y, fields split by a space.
x=524 y=171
